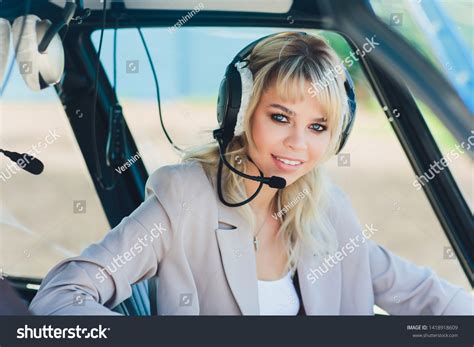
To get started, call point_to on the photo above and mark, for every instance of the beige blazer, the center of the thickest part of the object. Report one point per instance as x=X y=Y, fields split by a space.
x=202 y=252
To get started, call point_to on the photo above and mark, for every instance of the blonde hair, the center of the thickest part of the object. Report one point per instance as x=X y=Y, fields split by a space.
x=287 y=61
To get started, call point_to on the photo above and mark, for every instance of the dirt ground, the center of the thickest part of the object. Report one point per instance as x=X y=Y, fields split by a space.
x=39 y=227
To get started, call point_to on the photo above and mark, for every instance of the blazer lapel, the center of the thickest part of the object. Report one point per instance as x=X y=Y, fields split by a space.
x=238 y=258
x=238 y=261
x=323 y=297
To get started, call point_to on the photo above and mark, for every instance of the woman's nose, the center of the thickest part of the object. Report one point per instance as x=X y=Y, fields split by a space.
x=296 y=139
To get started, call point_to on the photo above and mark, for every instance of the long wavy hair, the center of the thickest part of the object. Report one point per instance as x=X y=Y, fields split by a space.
x=288 y=60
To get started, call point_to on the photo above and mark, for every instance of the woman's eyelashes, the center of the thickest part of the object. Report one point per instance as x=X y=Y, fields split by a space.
x=318 y=127
x=278 y=117
x=281 y=118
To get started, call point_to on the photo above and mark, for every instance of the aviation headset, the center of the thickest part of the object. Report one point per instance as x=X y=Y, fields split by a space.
x=39 y=49
x=234 y=94
x=236 y=88
x=40 y=56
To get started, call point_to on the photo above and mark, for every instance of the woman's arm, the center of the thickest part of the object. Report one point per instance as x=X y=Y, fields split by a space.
x=101 y=276
x=402 y=288
x=399 y=286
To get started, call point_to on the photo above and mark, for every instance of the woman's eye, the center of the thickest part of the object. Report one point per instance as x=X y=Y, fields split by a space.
x=318 y=127
x=280 y=118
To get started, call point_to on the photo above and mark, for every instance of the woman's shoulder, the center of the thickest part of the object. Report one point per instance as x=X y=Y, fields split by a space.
x=338 y=199
x=176 y=178
x=342 y=213
x=177 y=171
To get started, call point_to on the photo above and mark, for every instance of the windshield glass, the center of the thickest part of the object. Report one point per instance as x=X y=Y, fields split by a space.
x=441 y=30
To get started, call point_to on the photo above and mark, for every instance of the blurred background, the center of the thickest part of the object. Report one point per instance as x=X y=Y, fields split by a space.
x=47 y=218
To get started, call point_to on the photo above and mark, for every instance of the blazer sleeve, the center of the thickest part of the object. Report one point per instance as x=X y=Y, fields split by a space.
x=101 y=276
x=402 y=288
x=399 y=287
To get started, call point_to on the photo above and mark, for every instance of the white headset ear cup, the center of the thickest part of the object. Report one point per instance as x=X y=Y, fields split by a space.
x=5 y=32
x=246 y=78
x=32 y=63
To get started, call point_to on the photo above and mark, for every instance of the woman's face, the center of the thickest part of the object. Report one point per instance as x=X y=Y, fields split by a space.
x=289 y=137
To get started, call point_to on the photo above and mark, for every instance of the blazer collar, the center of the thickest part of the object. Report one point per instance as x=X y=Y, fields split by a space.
x=235 y=243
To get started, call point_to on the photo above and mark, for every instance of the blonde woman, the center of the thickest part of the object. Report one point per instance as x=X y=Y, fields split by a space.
x=295 y=250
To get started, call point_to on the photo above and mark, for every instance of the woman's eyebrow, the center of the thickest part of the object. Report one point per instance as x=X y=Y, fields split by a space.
x=293 y=113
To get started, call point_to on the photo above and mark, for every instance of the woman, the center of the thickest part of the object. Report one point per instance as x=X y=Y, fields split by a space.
x=296 y=250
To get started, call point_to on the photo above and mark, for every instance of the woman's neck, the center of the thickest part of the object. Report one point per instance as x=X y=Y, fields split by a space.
x=263 y=203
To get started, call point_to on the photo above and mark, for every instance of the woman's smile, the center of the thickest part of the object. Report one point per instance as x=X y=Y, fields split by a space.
x=286 y=164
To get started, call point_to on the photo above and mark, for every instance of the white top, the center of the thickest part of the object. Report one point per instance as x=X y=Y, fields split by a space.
x=278 y=298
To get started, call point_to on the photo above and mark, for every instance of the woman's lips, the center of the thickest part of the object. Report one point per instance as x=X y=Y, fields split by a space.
x=286 y=167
